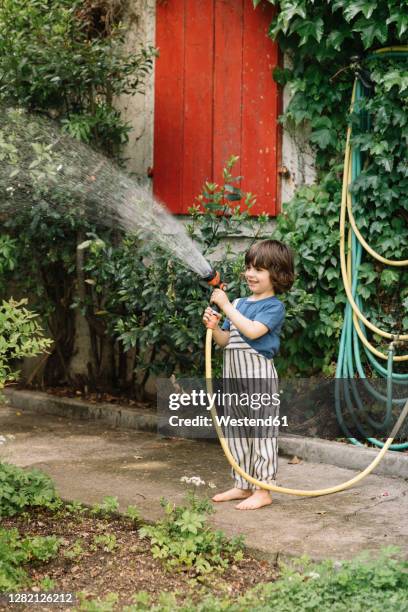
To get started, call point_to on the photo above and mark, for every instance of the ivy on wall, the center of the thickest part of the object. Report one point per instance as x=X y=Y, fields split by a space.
x=328 y=42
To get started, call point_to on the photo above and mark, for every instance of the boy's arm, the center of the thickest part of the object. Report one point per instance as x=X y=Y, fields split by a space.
x=250 y=329
x=221 y=336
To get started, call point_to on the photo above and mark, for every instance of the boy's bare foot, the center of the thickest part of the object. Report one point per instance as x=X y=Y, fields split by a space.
x=257 y=500
x=231 y=494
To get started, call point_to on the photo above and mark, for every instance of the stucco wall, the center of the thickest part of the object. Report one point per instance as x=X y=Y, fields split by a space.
x=138 y=110
x=297 y=155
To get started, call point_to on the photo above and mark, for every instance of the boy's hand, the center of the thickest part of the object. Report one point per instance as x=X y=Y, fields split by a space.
x=220 y=298
x=208 y=313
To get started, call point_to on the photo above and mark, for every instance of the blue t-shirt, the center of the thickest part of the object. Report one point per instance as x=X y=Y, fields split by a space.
x=271 y=312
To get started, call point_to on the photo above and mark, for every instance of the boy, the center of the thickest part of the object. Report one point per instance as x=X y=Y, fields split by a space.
x=250 y=338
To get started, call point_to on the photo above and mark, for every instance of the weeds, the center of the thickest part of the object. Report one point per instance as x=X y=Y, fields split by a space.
x=185 y=542
x=108 y=506
x=16 y=551
x=20 y=489
x=105 y=541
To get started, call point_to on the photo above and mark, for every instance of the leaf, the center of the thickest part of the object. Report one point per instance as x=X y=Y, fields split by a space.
x=401 y=21
x=322 y=133
x=310 y=29
x=335 y=39
x=389 y=278
x=367 y=7
x=371 y=31
x=286 y=14
x=294 y=461
x=84 y=245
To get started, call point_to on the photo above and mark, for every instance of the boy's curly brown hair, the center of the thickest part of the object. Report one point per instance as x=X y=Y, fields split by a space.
x=277 y=258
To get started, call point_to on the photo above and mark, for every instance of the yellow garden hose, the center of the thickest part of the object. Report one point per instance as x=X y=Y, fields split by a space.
x=346 y=208
x=275 y=488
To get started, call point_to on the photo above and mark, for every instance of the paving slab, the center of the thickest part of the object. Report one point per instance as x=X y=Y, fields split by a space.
x=90 y=460
x=311 y=449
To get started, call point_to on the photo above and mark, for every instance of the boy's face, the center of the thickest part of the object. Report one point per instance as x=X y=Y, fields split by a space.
x=258 y=279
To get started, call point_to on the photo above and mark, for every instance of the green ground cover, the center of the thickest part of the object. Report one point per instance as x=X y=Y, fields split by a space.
x=112 y=561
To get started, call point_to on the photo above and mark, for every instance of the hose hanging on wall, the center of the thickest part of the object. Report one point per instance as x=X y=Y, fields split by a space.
x=354 y=334
x=353 y=330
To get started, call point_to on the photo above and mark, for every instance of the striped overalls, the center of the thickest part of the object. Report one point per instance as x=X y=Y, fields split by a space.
x=256 y=455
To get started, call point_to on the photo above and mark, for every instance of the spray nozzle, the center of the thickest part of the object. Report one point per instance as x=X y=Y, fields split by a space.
x=213 y=278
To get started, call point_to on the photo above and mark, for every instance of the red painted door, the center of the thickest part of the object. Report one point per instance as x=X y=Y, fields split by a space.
x=215 y=97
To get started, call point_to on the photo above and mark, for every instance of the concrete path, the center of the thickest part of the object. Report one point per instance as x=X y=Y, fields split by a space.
x=89 y=461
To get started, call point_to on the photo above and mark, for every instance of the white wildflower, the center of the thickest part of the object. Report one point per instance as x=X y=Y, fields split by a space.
x=313 y=575
x=3 y=440
x=195 y=480
x=212 y=484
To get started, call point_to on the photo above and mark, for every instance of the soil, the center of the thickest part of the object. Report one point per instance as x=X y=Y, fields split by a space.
x=126 y=570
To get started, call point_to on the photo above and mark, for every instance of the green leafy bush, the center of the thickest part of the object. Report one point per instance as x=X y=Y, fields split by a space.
x=20 y=336
x=310 y=225
x=152 y=304
x=16 y=551
x=21 y=489
x=361 y=584
x=106 y=541
x=109 y=603
x=65 y=59
x=185 y=542
x=108 y=506
x=7 y=258
x=75 y=551
x=323 y=39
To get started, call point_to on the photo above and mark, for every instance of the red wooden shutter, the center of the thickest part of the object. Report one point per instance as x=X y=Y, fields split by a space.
x=215 y=97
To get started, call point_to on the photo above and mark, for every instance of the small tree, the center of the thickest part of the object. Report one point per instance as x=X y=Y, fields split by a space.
x=65 y=59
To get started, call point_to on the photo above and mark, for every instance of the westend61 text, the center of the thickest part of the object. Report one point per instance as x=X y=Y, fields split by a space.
x=228 y=421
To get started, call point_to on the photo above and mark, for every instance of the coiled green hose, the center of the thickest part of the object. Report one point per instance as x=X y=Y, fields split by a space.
x=354 y=333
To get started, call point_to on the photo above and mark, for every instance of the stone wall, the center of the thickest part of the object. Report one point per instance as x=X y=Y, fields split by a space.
x=139 y=110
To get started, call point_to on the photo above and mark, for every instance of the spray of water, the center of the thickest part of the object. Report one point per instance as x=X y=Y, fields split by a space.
x=36 y=156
